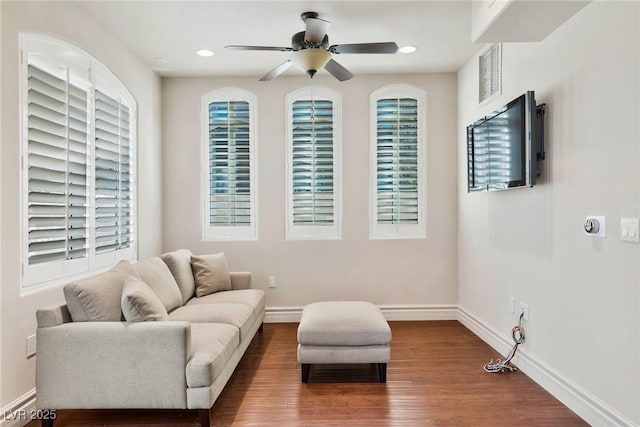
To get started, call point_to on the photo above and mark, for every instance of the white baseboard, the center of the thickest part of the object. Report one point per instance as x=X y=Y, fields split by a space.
x=420 y=312
x=586 y=405
x=282 y=314
x=390 y=312
x=17 y=413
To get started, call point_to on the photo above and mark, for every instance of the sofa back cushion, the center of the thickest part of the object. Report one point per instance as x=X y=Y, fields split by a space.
x=179 y=263
x=155 y=273
x=140 y=303
x=97 y=298
x=210 y=273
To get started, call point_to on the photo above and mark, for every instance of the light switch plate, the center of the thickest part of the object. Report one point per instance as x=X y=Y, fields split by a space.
x=629 y=229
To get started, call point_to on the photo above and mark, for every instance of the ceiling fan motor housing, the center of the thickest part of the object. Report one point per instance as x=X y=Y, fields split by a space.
x=298 y=42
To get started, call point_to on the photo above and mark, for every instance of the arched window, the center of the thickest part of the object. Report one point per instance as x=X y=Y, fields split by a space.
x=229 y=165
x=397 y=162
x=313 y=164
x=78 y=132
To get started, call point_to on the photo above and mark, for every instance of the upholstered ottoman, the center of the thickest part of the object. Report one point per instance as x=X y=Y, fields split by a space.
x=343 y=332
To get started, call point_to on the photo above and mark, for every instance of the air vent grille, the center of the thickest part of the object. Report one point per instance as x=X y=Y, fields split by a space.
x=490 y=75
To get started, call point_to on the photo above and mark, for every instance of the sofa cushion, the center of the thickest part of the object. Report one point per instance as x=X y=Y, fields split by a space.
x=239 y=315
x=210 y=273
x=212 y=344
x=254 y=298
x=179 y=263
x=155 y=273
x=97 y=298
x=139 y=303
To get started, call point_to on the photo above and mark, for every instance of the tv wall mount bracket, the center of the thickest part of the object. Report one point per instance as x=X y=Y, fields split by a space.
x=540 y=113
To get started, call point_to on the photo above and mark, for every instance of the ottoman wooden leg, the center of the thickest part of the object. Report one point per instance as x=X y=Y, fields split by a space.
x=382 y=372
x=305 y=372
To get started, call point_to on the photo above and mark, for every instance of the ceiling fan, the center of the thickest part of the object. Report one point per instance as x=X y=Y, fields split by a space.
x=311 y=50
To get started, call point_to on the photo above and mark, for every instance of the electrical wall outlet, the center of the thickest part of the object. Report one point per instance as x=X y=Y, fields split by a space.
x=271 y=282
x=524 y=308
x=31 y=346
x=512 y=305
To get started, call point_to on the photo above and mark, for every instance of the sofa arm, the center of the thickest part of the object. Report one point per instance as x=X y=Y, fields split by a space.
x=240 y=280
x=53 y=315
x=113 y=365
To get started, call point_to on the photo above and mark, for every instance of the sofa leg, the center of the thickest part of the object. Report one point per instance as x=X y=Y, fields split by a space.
x=47 y=422
x=261 y=328
x=205 y=417
x=306 y=367
x=382 y=372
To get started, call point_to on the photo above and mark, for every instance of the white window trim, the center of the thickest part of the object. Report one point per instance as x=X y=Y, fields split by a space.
x=398 y=231
x=55 y=56
x=228 y=233
x=310 y=232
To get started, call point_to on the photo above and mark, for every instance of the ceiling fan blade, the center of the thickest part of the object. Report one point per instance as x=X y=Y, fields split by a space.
x=277 y=71
x=316 y=30
x=240 y=47
x=385 y=47
x=338 y=71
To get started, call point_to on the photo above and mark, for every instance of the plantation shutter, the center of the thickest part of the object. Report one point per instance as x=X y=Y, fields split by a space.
x=57 y=168
x=313 y=163
x=113 y=175
x=397 y=161
x=229 y=164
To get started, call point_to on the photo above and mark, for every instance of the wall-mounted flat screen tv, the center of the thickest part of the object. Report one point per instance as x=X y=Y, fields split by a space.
x=506 y=146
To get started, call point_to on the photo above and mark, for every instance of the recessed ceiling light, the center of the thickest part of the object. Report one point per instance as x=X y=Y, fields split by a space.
x=204 y=52
x=407 y=49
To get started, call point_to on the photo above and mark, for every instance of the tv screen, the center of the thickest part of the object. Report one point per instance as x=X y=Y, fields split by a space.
x=499 y=147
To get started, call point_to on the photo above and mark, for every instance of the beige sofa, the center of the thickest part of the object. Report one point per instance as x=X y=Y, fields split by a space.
x=90 y=356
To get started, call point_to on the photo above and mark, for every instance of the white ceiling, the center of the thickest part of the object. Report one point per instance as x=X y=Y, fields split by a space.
x=166 y=34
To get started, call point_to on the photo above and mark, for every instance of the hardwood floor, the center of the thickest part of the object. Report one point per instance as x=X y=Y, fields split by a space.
x=435 y=378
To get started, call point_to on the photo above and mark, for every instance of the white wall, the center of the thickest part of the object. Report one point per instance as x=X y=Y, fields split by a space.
x=583 y=292
x=67 y=22
x=385 y=272
x=1 y=237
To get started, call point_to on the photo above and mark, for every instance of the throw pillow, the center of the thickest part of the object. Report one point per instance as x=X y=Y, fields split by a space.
x=210 y=273
x=155 y=273
x=97 y=298
x=179 y=263
x=139 y=303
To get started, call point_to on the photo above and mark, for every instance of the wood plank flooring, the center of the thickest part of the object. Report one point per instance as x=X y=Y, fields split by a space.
x=435 y=378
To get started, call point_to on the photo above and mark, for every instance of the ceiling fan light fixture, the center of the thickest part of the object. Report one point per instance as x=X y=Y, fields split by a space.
x=310 y=60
